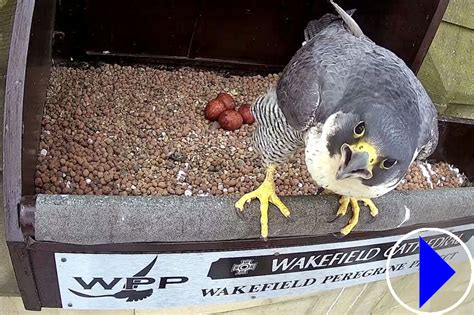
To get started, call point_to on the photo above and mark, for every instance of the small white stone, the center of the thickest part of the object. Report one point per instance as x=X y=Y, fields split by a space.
x=250 y=149
x=188 y=193
x=88 y=181
x=133 y=187
x=44 y=152
x=181 y=176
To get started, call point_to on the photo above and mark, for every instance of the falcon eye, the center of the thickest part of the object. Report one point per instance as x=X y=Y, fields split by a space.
x=388 y=163
x=359 y=130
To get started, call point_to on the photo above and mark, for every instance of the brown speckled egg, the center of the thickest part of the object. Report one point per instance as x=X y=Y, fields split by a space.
x=213 y=109
x=227 y=99
x=246 y=113
x=230 y=120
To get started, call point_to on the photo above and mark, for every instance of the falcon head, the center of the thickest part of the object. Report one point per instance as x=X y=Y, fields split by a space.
x=372 y=144
x=361 y=151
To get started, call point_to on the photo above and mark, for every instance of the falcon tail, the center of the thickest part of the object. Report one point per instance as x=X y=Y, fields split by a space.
x=351 y=24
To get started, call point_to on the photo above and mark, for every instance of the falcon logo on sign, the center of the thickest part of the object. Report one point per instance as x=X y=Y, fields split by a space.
x=130 y=290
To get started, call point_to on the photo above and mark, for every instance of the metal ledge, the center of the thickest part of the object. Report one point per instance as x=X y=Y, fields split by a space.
x=89 y=220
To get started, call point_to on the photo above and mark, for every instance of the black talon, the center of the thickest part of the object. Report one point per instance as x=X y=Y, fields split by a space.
x=334 y=219
x=240 y=213
x=338 y=235
x=372 y=219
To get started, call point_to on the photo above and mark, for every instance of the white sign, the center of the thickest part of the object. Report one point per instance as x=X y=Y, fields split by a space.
x=137 y=281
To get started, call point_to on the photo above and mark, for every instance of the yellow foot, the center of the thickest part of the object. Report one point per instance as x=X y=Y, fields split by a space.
x=265 y=193
x=344 y=204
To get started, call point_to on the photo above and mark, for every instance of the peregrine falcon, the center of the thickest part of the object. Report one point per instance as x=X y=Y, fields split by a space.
x=358 y=111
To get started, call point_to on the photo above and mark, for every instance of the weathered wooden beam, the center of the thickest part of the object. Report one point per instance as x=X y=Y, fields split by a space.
x=8 y=285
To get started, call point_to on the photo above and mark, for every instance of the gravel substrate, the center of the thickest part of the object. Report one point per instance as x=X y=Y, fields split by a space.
x=141 y=131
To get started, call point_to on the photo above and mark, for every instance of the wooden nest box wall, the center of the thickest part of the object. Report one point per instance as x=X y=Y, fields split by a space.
x=243 y=36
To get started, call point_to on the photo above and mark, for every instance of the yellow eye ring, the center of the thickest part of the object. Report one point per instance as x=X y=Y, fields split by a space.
x=359 y=130
x=387 y=163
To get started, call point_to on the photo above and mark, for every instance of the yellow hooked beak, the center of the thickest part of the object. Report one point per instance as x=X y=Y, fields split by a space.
x=357 y=160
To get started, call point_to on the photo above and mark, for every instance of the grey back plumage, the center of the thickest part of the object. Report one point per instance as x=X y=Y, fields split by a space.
x=315 y=26
x=335 y=67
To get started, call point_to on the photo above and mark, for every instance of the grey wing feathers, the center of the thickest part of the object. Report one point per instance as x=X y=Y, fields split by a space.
x=350 y=23
x=428 y=137
x=428 y=148
x=317 y=70
x=316 y=26
x=429 y=125
x=298 y=91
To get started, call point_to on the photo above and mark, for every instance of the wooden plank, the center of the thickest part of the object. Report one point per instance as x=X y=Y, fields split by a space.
x=7 y=10
x=14 y=91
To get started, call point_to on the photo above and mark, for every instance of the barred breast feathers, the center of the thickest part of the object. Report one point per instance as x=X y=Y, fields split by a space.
x=274 y=139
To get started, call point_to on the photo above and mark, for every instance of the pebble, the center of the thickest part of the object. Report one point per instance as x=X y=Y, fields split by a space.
x=130 y=130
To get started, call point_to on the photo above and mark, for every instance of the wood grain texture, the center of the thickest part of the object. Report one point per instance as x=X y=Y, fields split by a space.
x=242 y=35
x=38 y=66
x=14 y=90
x=430 y=34
x=8 y=284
